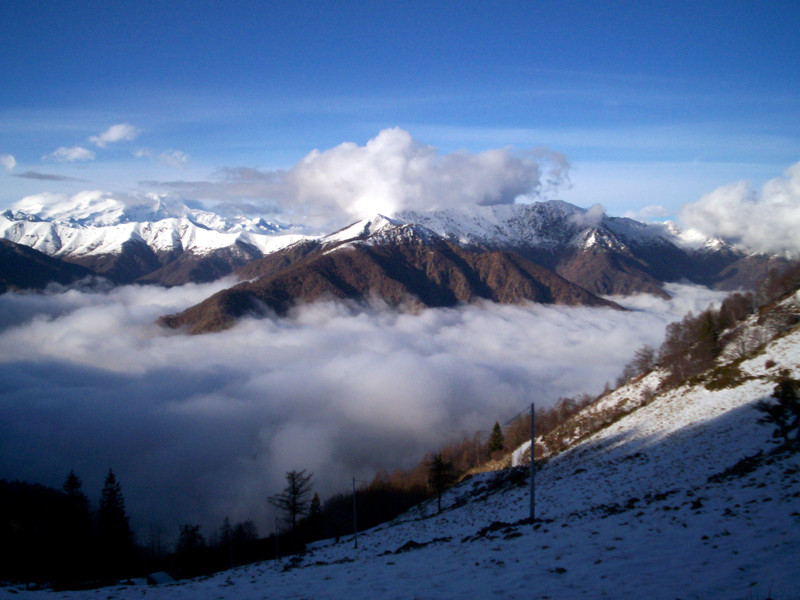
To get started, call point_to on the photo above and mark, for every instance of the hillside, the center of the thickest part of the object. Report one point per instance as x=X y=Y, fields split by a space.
x=684 y=496
x=409 y=270
x=24 y=268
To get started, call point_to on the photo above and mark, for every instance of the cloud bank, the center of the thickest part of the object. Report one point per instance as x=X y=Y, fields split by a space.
x=198 y=428
x=391 y=172
x=767 y=222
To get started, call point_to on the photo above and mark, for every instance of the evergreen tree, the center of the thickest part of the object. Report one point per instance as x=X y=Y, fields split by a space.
x=73 y=489
x=114 y=535
x=315 y=508
x=190 y=540
x=440 y=475
x=496 y=440
x=293 y=500
x=189 y=551
x=77 y=530
x=785 y=412
x=244 y=533
x=226 y=540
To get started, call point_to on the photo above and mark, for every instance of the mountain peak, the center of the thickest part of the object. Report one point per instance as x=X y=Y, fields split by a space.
x=362 y=229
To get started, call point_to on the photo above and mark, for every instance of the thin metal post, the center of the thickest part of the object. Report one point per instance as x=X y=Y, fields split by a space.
x=277 y=556
x=355 y=521
x=533 y=466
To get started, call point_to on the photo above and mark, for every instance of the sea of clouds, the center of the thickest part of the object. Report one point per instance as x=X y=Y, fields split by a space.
x=199 y=428
x=202 y=427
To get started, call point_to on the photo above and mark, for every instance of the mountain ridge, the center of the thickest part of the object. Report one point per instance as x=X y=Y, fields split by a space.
x=606 y=256
x=410 y=272
x=23 y=268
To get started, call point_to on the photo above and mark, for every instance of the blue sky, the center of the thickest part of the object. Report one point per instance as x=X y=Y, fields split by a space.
x=653 y=104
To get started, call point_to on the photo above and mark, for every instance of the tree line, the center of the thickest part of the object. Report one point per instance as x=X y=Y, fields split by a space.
x=53 y=536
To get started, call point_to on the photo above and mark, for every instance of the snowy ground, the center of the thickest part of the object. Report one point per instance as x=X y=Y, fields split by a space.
x=647 y=508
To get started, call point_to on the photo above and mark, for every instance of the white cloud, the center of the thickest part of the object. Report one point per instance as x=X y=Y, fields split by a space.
x=121 y=132
x=391 y=172
x=648 y=213
x=171 y=158
x=202 y=427
x=75 y=153
x=8 y=161
x=768 y=221
x=394 y=172
x=591 y=218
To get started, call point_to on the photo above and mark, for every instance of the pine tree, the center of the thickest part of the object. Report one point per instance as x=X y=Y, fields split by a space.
x=315 y=508
x=496 y=440
x=314 y=519
x=226 y=539
x=785 y=412
x=76 y=531
x=189 y=551
x=115 y=538
x=440 y=475
x=72 y=488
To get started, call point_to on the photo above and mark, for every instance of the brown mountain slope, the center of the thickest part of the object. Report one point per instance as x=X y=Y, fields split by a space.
x=202 y=268
x=133 y=261
x=424 y=274
x=608 y=273
x=22 y=267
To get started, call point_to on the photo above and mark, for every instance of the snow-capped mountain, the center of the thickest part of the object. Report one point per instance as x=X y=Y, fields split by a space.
x=157 y=239
x=551 y=252
x=160 y=239
x=552 y=224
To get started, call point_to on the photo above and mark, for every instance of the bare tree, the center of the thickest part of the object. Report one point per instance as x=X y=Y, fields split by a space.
x=644 y=359
x=293 y=501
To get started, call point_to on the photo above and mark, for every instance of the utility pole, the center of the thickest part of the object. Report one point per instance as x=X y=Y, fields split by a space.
x=355 y=517
x=533 y=466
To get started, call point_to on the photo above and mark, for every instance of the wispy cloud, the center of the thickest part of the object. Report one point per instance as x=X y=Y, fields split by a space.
x=202 y=427
x=8 y=162
x=71 y=154
x=45 y=176
x=122 y=132
x=647 y=213
x=171 y=158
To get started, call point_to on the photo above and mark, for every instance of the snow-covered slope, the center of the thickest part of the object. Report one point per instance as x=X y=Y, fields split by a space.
x=681 y=498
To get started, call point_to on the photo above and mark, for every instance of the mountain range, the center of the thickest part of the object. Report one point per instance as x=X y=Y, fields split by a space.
x=547 y=252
